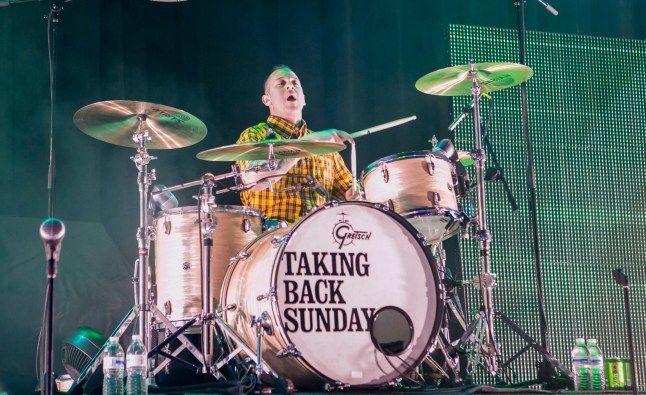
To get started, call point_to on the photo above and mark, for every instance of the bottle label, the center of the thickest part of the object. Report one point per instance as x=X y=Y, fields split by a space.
x=136 y=360
x=112 y=363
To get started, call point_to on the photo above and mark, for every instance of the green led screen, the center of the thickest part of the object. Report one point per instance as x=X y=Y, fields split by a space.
x=587 y=121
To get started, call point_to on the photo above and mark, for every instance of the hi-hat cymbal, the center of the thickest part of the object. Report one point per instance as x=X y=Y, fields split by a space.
x=456 y=80
x=116 y=121
x=283 y=149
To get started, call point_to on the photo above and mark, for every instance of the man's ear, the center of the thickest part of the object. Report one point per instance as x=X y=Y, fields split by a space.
x=266 y=100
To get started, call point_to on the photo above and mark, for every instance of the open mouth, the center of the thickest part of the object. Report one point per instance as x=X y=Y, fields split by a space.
x=291 y=98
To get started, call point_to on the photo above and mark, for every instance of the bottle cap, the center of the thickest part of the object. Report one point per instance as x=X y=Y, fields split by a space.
x=592 y=341
x=136 y=337
x=114 y=338
x=579 y=340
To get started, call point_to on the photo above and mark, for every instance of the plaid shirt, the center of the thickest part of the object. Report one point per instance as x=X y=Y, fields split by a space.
x=329 y=170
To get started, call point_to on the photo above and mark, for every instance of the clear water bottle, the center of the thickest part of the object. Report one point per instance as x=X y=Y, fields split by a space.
x=113 y=367
x=580 y=365
x=597 y=373
x=137 y=367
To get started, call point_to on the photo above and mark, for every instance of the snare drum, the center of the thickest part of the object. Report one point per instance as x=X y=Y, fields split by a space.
x=420 y=186
x=351 y=294
x=178 y=251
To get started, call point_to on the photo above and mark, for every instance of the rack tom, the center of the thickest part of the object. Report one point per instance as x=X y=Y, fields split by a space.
x=420 y=186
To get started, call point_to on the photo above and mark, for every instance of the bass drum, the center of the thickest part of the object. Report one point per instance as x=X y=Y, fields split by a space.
x=178 y=252
x=351 y=294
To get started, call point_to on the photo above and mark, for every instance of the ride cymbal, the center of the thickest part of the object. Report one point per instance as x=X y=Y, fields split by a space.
x=116 y=121
x=283 y=149
x=457 y=80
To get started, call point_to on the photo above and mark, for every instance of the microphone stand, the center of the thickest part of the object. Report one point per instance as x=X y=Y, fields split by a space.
x=52 y=22
x=549 y=369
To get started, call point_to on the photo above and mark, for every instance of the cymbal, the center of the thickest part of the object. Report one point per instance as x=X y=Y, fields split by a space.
x=456 y=80
x=116 y=121
x=283 y=149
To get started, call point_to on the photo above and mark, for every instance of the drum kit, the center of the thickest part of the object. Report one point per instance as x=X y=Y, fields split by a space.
x=349 y=296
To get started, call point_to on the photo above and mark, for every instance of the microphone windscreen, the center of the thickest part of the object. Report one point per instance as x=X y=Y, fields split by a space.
x=52 y=229
x=165 y=200
x=445 y=147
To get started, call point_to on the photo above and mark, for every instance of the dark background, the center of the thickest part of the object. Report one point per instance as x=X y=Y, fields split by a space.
x=358 y=62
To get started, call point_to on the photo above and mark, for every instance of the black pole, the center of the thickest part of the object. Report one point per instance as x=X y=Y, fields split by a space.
x=49 y=328
x=631 y=346
x=622 y=279
x=520 y=5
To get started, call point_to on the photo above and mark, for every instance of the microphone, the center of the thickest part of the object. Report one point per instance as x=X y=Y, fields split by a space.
x=549 y=8
x=316 y=186
x=52 y=231
x=466 y=111
x=164 y=200
x=493 y=174
x=446 y=148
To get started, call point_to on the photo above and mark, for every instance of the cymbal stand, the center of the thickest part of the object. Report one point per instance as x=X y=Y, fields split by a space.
x=144 y=179
x=206 y=202
x=488 y=348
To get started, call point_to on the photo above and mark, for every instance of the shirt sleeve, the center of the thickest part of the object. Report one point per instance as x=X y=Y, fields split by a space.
x=342 y=178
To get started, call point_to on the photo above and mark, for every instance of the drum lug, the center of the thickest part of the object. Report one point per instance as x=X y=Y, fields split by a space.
x=277 y=241
x=430 y=164
x=436 y=199
x=390 y=204
x=337 y=386
x=384 y=171
x=152 y=233
x=290 y=351
x=269 y=295
x=246 y=225
x=167 y=226
x=239 y=256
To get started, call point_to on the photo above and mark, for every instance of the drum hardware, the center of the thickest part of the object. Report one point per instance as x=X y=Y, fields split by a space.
x=269 y=295
x=475 y=79
x=289 y=351
x=384 y=171
x=478 y=79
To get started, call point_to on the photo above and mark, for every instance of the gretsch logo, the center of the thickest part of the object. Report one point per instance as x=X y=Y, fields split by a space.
x=344 y=234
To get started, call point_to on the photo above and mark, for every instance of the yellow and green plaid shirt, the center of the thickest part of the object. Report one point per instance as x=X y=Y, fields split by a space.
x=329 y=170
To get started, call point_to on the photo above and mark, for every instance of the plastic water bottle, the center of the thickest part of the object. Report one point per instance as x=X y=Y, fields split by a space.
x=113 y=368
x=597 y=371
x=580 y=365
x=137 y=367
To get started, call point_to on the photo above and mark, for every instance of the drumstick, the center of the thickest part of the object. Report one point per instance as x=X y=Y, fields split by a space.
x=383 y=126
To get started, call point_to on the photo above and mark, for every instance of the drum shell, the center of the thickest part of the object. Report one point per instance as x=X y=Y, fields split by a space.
x=255 y=284
x=420 y=186
x=178 y=251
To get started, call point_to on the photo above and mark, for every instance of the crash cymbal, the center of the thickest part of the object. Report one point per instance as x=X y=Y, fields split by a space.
x=283 y=149
x=456 y=80
x=115 y=122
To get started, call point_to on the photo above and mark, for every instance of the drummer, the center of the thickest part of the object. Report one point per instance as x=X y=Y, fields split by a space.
x=294 y=193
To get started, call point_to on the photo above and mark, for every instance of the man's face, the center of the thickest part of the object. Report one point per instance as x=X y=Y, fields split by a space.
x=284 y=94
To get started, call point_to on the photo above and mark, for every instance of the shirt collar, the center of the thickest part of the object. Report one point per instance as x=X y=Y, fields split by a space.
x=286 y=129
